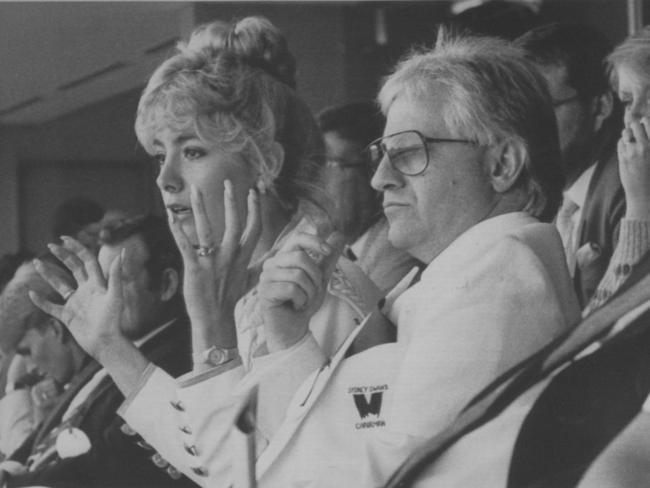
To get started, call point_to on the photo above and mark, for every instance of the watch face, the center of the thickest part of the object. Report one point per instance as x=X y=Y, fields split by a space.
x=216 y=356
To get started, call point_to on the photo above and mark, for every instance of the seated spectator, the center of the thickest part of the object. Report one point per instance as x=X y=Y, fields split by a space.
x=347 y=131
x=469 y=129
x=103 y=452
x=78 y=217
x=17 y=413
x=9 y=264
x=571 y=58
x=594 y=383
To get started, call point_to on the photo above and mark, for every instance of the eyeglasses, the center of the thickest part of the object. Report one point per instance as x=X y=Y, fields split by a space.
x=407 y=151
x=564 y=101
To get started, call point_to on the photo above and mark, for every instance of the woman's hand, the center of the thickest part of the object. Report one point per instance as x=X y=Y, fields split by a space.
x=94 y=311
x=293 y=284
x=634 y=168
x=216 y=275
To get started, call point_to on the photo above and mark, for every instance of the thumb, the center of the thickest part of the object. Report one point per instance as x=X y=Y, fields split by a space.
x=116 y=274
x=337 y=241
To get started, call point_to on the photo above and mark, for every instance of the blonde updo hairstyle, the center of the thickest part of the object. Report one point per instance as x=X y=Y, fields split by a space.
x=232 y=85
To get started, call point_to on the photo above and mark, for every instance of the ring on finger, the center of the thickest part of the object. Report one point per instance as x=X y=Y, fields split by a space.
x=204 y=251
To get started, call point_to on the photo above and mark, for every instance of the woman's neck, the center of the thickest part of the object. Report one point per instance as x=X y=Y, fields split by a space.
x=274 y=220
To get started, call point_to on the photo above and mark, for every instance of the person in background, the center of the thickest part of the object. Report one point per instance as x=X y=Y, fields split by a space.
x=97 y=449
x=9 y=264
x=78 y=217
x=624 y=463
x=347 y=131
x=18 y=411
x=571 y=59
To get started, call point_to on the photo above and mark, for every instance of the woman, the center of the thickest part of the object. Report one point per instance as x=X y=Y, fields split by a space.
x=237 y=151
x=624 y=463
x=630 y=75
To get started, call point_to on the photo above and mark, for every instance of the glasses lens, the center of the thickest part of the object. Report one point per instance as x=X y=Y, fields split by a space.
x=407 y=152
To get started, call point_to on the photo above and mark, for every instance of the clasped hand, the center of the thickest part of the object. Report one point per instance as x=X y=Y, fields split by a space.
x=634 y=168
x=293 y=284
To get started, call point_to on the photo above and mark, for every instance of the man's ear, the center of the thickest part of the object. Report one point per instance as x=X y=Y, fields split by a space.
x=505 y=164
x=169 y=284
x=57 y=329
x=602 y=107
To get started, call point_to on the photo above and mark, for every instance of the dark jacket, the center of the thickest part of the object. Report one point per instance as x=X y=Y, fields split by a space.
x=117 y=458
x=601 y=215
x=583 y=408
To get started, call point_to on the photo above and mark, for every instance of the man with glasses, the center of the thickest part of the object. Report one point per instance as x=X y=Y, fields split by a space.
x=571 y=59
x=468 y=163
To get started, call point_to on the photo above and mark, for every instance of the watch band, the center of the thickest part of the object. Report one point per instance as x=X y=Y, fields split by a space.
x=215 y=356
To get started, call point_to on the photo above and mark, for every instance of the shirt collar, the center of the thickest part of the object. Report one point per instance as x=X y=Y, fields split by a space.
x=139 y=342
x=474 y=241
x=578 y=191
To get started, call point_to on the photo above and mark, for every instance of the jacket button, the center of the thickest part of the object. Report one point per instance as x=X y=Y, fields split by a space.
x=159 y=461
x=173 y=472
x=127 y=430
x=191 y=450
x=178 y=405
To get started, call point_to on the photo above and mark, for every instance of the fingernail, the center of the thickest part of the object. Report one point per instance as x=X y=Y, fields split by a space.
x=325 y=248
x=66 y=238
x=227 y=186
x=194 y=192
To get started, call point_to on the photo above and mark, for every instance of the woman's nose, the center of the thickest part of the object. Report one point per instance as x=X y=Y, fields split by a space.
x=169 y=179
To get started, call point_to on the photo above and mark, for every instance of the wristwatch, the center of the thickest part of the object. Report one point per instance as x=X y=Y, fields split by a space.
x=215 y=356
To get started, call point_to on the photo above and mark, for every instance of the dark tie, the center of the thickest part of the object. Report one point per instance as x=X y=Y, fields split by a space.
x=500 y=393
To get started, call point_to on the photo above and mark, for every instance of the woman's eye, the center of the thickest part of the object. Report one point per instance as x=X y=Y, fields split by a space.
x=193 y=152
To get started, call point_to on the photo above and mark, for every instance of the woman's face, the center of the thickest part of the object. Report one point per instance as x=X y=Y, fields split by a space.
x=185 y=160
x=634 y=93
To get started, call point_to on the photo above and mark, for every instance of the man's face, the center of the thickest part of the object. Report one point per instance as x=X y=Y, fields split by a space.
x=45 y=350
x=347 y=183
x=142 y=302
x=575 y=122
x=428 y=211
x=15 y=306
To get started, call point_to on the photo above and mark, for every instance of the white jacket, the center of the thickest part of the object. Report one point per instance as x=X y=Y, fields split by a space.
x=495 y=295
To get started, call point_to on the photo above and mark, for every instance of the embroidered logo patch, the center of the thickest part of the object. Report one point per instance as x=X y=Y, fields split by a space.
x=368 y=402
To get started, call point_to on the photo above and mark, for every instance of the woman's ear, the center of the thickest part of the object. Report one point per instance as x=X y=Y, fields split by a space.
x=603 y=105
x=169 y=284
x=505 y=165
x=275 y=160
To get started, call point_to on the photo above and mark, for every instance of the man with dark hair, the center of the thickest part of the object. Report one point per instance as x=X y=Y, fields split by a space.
x=78 y=217
x=98 y=449
x=347 y=131
x=571 y=58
